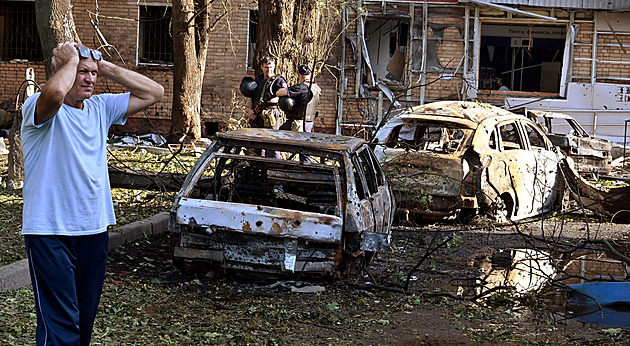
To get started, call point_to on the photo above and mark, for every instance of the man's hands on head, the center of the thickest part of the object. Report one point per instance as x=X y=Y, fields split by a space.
x=65 y=62
x=65 y=53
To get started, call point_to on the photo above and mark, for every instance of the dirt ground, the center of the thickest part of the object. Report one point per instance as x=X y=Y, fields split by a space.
x=373 y=308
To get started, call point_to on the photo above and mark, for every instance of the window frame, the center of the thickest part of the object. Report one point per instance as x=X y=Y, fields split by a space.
x=535 y=129
x=252 y=29
x=523 y=143
x=140 y=35
x=566 y=53
x=29 y=50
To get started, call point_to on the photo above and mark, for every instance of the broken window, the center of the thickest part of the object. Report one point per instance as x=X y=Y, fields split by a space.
x=429 y=137
x=510 y=137
x=155 y=39
x=252 y=24
x=536 y=140
x=521 y=57
x=492 y=141
x=283 y=183
x=371 y=174
x=566 y=126
x=362 y=192
x=386 y=41
x=19 y=38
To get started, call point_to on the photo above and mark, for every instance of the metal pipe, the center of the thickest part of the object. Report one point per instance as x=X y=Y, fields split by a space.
x=342 y=70
x=423 y=76
x=625 y=134
x=409 y=64
x=513 y=10
x=477 y=43
x=466 y=48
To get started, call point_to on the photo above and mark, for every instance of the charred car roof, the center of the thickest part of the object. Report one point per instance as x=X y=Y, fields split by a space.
x=310 y=140
x=468 y=114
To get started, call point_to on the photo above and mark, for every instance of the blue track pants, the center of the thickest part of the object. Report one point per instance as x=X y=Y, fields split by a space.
x=67 y=274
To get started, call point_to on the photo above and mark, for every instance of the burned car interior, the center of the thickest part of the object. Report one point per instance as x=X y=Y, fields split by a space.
x=253 y=180
x=427 y=136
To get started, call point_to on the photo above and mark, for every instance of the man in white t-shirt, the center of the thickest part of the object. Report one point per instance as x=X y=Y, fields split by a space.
x=67 y=198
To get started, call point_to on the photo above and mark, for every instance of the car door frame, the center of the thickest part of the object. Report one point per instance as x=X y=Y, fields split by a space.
x=521 y=168
x=546 y=179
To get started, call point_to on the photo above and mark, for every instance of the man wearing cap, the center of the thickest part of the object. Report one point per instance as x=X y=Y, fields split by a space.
x=263 y=107
x=67 y=196
x=306 y=95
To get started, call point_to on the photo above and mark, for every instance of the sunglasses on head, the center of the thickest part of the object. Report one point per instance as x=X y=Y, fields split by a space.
x=85 y=52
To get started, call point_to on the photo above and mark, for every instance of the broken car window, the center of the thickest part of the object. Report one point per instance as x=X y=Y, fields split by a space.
x=230 y=176
x=370 y=171
x=510 y=137
x=427 y=137
x=535 y=138
x=492 y=141
x=358 y=178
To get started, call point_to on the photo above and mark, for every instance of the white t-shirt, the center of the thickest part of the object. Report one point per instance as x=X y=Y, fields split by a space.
x=66 y=184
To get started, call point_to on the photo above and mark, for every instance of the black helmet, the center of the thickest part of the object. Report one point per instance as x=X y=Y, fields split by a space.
x=286 y=103
x=248 y=87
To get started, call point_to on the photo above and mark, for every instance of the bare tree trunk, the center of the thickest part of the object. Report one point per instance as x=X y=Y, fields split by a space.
x=275 y=33
x=55 y=24
x=293 y=31
x=191 y=29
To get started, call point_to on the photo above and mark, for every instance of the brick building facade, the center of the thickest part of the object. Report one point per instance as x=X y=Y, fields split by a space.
x=574 y=60
x=566 y=56
x=120 y=23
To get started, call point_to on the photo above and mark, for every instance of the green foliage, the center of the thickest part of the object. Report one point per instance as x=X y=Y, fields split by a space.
x=422 y=201
x=472 y=312
x=399 y=275
x=11 y=241
x=500 y=299
x=491 y=335
x=455 y=241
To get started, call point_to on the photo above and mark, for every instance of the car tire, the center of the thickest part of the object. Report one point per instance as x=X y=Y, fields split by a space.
x=352 y=265
x=465 y=216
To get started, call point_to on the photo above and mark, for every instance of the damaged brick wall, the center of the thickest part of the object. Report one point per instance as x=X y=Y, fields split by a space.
x=226 y=66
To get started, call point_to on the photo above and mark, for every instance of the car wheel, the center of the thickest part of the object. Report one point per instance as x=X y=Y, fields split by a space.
x=466 y=215
x=193 y=268
x=352 y=265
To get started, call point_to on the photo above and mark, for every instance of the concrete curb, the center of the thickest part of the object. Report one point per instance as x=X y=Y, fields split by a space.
x=16 y=275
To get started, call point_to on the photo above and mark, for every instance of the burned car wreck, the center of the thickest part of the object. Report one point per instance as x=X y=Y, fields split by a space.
x=462 y=158
x=277 y=203
x=590 y=155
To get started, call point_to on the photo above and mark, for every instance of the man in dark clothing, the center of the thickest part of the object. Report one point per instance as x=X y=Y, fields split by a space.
x=263 y=107
x=306 y=96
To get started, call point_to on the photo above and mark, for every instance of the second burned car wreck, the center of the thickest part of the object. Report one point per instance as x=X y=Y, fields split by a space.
x=463 y=158
x=282 y=202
